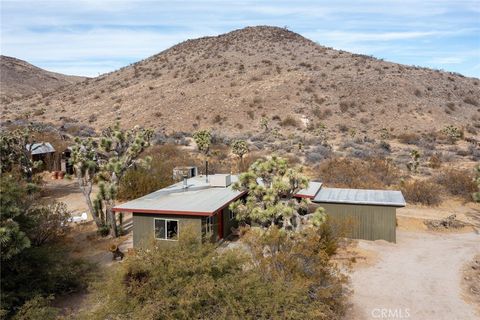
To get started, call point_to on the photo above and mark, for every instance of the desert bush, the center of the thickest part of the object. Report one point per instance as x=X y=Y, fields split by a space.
x=139 y=181
x=343 y=128
x=296 y=280
x=474 y=151
x=457 y=182
x=472 y=101
x=317 y=154
x=364 y=174
x=435 y=161
x=289 y=121
x=408 y=138
x=37 y=308
x=346 y=105
x=421 y=192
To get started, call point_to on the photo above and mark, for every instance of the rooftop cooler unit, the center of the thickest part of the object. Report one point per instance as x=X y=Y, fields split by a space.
x=220 y=180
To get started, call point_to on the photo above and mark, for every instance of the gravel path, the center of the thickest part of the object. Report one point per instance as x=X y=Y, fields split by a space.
x=417 y=278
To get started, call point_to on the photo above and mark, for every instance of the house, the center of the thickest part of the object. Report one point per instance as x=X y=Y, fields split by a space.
x=200 y=205
x=193 y=205
x=44 y=152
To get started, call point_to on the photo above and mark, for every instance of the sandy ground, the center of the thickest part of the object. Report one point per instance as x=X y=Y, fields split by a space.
x=466 y=212
x=69 y=192
x=83 y=238
x=419 y=277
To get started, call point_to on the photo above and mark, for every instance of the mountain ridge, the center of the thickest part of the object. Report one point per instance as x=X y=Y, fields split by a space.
x=228 y=82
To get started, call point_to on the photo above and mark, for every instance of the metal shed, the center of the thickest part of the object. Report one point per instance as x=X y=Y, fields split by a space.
x=367 y=214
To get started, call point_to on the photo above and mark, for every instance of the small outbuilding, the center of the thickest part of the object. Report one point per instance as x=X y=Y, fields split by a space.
x=44 y=152
x=367 y=214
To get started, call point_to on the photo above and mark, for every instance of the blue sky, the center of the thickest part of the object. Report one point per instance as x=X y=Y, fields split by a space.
x=95 y=36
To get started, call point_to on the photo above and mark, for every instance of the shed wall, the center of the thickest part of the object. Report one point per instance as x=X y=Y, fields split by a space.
x=365 y=221
x=143 y=228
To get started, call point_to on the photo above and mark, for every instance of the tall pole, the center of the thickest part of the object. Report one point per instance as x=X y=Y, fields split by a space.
x=206 y=170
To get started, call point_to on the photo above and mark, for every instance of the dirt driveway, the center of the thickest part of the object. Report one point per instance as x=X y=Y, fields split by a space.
x=419 y=277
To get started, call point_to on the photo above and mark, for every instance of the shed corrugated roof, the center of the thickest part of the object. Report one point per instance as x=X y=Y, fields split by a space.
x=360 y=196
x=198 y=199
x=40 y=148
x=311 y=191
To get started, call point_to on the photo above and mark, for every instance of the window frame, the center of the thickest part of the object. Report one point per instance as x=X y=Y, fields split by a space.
x=166 y=231
x=231 y=215
x=209 y=226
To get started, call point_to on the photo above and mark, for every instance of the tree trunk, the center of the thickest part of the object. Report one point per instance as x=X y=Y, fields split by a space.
x=87 y=190
x=112 y=219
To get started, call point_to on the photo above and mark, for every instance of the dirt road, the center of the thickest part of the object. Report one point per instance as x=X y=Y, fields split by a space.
x=417 y=278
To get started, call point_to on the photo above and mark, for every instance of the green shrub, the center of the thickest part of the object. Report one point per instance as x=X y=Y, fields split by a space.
x=296 y=280
x=37 y=308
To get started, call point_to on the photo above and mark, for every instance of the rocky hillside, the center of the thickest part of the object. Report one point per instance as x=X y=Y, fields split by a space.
x=19 y=78
x=229 y=82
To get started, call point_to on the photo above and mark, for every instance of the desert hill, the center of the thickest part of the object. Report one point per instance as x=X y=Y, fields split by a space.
x=229 y=82
x=19 y=78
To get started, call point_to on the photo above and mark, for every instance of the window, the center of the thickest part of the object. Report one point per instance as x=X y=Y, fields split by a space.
x=208 y=225
x=231 y=214
x=166 y=229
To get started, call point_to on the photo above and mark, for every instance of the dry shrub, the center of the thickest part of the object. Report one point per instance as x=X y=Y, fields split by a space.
x=355 y=173
x=457 y=182
x=138 y=181
x=422 y=192
x=408 y=138
x=435 y=161
x=289 y=121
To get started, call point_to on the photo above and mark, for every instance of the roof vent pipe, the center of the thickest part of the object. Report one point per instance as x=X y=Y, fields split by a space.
x=185 y=184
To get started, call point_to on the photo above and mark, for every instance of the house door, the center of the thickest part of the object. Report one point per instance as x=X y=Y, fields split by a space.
x=220 y=224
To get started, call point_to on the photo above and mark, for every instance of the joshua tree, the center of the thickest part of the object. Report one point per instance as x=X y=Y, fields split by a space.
x=16 y=148
x=321 y=132
x=412 y=166
x=121 y=150
x=384 y=134
x=108 y=161
x=203 y=139
x=85 y=159
x=453 y=133
x=264 y=123
x=476 y=195
x=271 y=185
x=240 y=149
x=352 y=132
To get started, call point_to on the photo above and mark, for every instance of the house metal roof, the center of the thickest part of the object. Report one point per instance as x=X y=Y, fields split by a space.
x=199 y=198
x=40 y=148
x=311 y=191
x=360 y=196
